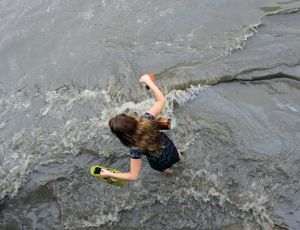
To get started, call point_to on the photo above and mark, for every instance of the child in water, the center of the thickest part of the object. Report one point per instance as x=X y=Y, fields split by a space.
x=143 y=138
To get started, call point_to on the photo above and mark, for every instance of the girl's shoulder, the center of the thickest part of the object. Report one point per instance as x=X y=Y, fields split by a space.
x=135 y=153
x=148 y=116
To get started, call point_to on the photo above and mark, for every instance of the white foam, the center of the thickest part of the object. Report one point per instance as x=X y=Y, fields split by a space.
x=14 y=156
x=238 y=42
x=166 y=12
x=87 y=15
x=2 y=125
x=44 y=111
x=18 y=157
x=59 y=103
x=256 y=207
x=287 y=106
x=14 y=172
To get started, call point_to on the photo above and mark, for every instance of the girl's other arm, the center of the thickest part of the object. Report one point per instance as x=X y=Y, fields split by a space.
x=135 y=169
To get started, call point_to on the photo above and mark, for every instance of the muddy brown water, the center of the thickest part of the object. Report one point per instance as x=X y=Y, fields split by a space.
x=230 y=71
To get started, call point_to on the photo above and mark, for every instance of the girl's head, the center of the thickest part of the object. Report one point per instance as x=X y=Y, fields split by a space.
x=136 y=132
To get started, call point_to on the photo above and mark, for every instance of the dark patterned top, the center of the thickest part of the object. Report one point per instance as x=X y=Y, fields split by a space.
x=167 y=157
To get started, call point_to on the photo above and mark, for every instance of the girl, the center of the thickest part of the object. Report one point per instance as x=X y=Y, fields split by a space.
x=143 y=138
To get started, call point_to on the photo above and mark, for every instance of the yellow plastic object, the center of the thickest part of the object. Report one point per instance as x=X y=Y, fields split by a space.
x=95 y=172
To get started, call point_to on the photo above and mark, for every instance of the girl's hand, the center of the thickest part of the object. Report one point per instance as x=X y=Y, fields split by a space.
x=105 y=173
x=145 y=79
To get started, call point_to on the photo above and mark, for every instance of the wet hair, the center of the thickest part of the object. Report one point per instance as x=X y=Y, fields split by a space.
x=136 y=132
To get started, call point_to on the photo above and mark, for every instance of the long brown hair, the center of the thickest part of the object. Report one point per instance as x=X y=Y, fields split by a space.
x=136 y=132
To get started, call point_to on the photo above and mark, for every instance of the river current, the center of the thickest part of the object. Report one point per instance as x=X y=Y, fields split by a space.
x=230 y=71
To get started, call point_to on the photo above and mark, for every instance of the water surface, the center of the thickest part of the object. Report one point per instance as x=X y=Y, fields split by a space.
x=230 y=71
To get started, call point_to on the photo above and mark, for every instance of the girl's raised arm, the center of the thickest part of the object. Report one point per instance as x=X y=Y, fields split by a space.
x=160 y=99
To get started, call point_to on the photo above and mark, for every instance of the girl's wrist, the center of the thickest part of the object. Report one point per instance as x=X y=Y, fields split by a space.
x=150 y=82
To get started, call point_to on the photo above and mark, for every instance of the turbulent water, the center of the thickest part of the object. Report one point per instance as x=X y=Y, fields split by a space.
x=231 y=73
